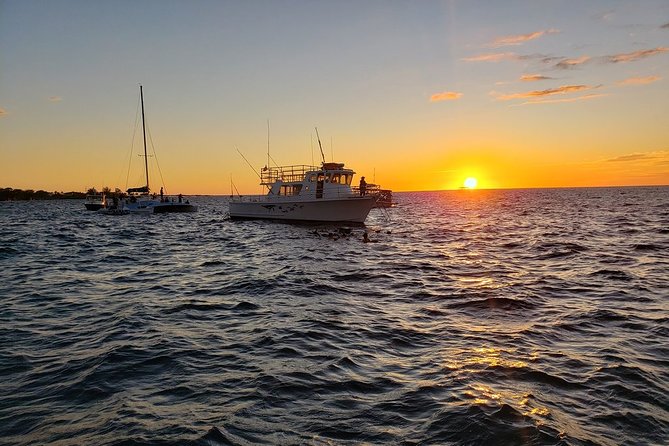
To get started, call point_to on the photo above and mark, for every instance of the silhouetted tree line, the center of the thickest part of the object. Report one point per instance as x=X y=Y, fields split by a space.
x=9 y=194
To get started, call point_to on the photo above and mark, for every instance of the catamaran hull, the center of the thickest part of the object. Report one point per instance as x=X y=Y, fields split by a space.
x=348 y=210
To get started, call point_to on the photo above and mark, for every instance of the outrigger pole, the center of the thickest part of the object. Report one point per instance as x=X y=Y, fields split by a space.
x=320 y=145
x=253 y=169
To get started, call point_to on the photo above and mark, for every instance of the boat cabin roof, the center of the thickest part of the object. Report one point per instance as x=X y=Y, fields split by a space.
x=139 y=190
x=298 y=173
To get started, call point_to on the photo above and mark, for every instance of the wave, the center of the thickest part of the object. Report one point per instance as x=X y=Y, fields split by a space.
x=495 y=303
x=613 y=274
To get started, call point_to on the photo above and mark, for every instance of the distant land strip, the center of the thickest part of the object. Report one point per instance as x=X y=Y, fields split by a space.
x=9 y=194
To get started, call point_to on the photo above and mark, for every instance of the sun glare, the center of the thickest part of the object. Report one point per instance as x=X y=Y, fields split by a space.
x=470 y=183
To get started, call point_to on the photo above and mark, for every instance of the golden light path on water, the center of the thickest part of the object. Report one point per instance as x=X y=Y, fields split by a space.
x=470 y=361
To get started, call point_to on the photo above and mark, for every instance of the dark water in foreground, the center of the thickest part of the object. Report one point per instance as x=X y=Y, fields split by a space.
x=476 y=317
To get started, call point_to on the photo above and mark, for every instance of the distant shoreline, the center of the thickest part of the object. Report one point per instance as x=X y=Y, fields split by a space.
x=10 y=194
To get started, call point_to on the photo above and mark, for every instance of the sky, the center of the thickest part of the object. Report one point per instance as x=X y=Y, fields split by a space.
x=413 y=95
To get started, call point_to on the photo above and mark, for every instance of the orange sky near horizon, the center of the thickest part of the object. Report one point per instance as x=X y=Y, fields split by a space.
x=414 y=98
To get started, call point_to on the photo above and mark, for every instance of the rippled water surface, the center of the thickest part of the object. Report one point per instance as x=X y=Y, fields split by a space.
x=474 y=317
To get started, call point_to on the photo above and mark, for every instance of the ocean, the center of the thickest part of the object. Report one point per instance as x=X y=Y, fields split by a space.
x=473 y=317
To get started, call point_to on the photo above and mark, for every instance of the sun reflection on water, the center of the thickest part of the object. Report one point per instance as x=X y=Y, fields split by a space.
x=483 y=356
x=477 y=360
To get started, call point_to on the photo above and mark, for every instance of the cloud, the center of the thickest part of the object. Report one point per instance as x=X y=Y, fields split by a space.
x=665 y=26
x=492 y=57
x=656 y=158
x=445 y=96
x=55 y=98
x=639 y=80
x=533 y=77
x=585 y=97
x=565 y=89
x=631 y=157
x=566 y=64
x=521 y=38
x=635 y=55
x=3 y=112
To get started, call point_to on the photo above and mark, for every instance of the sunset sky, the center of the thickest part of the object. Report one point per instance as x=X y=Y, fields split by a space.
x=413 y=95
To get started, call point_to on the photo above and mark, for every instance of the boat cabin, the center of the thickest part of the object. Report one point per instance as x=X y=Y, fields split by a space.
x=329 y=180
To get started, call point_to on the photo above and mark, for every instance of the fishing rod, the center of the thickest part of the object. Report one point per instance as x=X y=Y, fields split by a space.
x=233 y=188
x=249 y=164
x=253 y=168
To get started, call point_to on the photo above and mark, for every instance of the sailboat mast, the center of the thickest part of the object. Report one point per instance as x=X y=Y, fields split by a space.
x=146 y=157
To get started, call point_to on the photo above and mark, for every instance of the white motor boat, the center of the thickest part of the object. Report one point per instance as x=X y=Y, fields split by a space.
x=307 y=194
x=95 y=202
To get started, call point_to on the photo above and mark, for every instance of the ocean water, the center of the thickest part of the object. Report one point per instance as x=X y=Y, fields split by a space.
x=516 y=317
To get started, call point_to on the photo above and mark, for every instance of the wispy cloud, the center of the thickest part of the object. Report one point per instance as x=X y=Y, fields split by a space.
x=566 y=64
x=519 y=39
x=445 y=96
x=55 y=98
x=565 y=89
x=635 y=55
x=3 y=112
x=585 y=97
x=492 y=57
x=534 y=77
x=656 y=158
x=631 y=157
x=639 y=80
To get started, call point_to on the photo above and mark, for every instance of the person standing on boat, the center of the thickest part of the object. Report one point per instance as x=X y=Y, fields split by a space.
x=363 y=186
x=161 y=194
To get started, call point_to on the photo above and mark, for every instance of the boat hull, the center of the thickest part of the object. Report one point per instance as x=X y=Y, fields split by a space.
x=158 y=207
x=94 y=206
x=339 y=210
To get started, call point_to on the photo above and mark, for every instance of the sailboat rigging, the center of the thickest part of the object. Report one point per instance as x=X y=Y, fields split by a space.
x=139 y=199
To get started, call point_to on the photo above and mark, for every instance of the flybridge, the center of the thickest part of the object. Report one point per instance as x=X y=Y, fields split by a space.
x=297 y=173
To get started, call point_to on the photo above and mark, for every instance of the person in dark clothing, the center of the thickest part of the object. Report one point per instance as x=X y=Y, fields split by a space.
x=363 y=186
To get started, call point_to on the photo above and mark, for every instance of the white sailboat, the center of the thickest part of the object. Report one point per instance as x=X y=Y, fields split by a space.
x=140 y=200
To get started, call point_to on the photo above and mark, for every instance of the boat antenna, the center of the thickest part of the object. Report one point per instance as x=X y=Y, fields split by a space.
x=268 y=157
x=146 y=158
x=320 y=145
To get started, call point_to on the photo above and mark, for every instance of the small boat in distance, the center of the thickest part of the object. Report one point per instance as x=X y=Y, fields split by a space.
x=140 y=200
x=304 y=193
x=95 y=202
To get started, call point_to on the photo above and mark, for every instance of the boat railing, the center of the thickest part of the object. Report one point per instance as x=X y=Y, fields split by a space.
x=270 y=175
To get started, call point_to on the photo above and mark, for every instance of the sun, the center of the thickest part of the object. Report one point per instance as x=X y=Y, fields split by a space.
x=470 y=183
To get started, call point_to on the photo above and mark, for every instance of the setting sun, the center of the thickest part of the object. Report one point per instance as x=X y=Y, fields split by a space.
x=470 y=183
